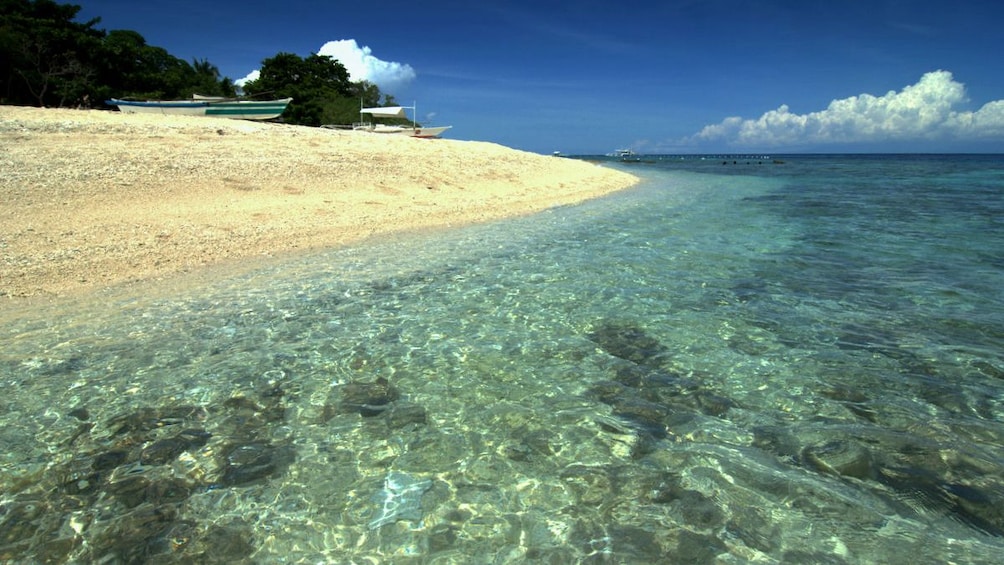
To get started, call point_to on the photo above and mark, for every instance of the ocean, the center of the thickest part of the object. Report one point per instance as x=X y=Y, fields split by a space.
x=774 y=359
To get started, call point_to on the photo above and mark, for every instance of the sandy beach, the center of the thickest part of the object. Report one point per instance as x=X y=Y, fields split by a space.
x=93 y=199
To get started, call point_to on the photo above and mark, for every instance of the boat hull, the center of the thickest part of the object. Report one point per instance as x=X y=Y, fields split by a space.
x=235 y=109
x=408 y=131
x=426 y=132
x=248 y=109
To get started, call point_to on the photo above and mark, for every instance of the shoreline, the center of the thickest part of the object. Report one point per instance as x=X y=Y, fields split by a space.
x=98 y=199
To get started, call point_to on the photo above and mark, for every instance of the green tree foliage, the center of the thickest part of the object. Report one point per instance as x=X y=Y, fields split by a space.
x=369 y=95
x=130 y=68
x=312 y=82
x=319 y=86
x=345 y=109
x=47 y=58
x=45 y=54
x=209 y=81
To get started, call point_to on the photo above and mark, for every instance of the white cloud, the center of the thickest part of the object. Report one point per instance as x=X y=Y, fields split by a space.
x=253 y=75
x=919 y=112
x=361 y=65
x=988 y=121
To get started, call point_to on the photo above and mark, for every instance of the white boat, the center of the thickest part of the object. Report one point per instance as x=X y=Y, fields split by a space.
x=624 y=154
x=414 y=130
x=410 y=131
x=206 y=106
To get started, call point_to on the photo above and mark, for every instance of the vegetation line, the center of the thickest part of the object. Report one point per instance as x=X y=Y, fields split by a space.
x=49 y=59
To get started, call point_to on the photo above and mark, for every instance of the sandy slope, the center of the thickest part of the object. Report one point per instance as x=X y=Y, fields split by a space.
x=90 y=199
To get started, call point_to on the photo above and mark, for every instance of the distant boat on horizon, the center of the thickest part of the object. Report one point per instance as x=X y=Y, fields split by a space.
x=624 y=155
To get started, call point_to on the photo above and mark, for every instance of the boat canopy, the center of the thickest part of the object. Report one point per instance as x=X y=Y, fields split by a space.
x=388 y=112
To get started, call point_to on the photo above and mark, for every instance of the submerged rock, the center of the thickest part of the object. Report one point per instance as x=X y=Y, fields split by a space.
x=109 y=459
x=134 y=490
x=245 y=412
x=224 y=544
x=648 y=416
x=628 y=342
x=778 y=440
x=854 y=400
x=402 y=414
x=696 y=509
x=368 y=399
x=527 y=444
x=590 y=484
x=608 y=392
x=616 y=543
x=711 y=403
x=672 y=390
x=968 y=505
x=697 y=548
x=135 y=536
x=166 y=450
x=843 y=458
x=21 y=519
x=248 y=463
x=923 y=476
x=119 y=496
x=989 y=369
x=146 y=419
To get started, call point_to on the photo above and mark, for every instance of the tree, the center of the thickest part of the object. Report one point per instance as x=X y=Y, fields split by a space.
x=45 y=54
x=132 y=69
x=313 y=83
x=345 y=109
x=370 y=94
x=49 y=59
x=208 y=81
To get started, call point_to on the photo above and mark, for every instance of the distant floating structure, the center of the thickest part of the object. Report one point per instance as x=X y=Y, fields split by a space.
x=624 y=155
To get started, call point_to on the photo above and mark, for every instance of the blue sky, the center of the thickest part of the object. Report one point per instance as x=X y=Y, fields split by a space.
x=584 y=76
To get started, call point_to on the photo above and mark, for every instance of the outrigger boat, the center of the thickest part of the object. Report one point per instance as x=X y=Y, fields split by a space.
x=206 y=106
x=414 y=130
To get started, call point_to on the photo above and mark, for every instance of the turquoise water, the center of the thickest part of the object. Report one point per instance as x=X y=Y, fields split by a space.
x=738 y=360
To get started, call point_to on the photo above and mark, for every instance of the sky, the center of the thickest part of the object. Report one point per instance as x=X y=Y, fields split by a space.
x=676 y=76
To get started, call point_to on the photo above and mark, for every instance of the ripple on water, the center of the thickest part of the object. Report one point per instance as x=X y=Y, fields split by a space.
x=705 y=368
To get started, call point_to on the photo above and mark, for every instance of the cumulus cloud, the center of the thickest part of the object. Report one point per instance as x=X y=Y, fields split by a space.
x=919 y=112
x=361 y=65
x=253 y=75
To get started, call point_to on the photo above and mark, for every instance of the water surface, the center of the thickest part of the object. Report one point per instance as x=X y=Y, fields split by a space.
x=738 y=360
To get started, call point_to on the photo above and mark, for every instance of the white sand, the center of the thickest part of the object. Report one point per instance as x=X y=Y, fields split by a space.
x=91 y=199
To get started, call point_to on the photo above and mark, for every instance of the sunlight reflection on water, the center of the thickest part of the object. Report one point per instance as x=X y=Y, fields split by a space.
x=642 y=378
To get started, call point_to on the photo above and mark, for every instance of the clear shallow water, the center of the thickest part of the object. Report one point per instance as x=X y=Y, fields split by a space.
x=797 y=362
